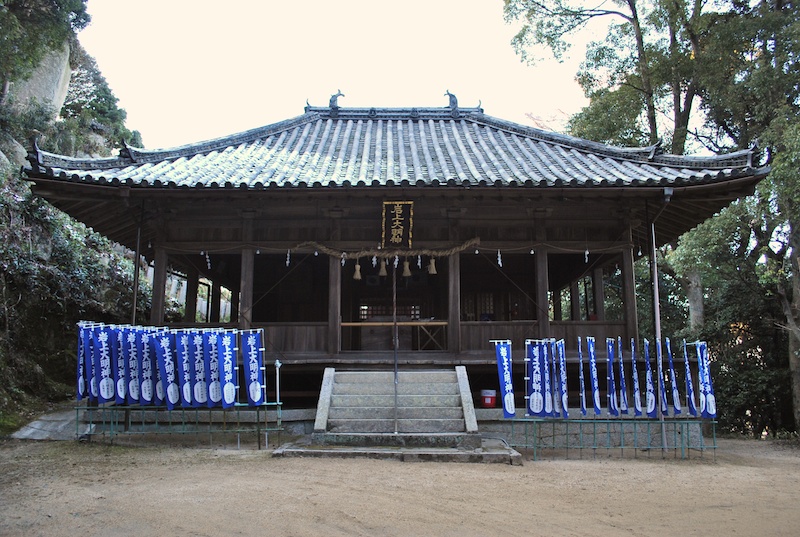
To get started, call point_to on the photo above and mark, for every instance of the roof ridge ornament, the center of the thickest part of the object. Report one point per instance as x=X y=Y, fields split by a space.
x=333 y=104
x=453 y=103
x=335 y=98
x=655 y=149
x=755 y=152
x=126 y=152
x=35 y=154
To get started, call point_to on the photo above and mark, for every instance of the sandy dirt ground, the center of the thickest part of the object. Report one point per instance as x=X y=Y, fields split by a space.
x=68 y=488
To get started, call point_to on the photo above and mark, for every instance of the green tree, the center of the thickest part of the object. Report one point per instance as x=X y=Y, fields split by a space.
x=725 y=74
x=91 y=121
x=28 y=29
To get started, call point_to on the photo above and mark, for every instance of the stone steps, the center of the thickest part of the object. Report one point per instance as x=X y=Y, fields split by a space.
x=433 y=408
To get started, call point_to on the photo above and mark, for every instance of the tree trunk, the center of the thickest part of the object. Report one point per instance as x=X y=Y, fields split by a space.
x=694 y=294
x=794 y=335
x=791 y=310
x=644 y=73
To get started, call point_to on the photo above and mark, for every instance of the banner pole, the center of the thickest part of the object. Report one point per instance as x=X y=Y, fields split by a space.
x=395 y=340
x=136 y=257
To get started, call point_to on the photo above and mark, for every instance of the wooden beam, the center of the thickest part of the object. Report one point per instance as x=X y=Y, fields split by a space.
x=216 y=295
x=245 y=309
x=599 y=291
x=192 y=283
x=334 y=305
x=454 y=303
x=542 y=303
x=159 y=287
x=574 y=301
x=629 y=295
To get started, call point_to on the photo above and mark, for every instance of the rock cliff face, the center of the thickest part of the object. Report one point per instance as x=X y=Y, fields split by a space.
x=48 y=83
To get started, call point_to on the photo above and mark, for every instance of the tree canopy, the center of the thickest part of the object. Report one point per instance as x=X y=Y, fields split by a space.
x=712 y=76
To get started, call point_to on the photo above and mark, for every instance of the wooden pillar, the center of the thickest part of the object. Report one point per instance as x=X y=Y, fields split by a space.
x=216 y=294
x=244 y=297
x=629 y=294
x=557 y=313
x=599 y=291
x=159 y=286
x=454 y=303
x=190 y=304
x=542 y=286
x=334 y=305
x=235 y=301
x=574 y=301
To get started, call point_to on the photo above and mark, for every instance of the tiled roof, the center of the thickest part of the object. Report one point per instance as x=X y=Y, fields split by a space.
x=340 y=147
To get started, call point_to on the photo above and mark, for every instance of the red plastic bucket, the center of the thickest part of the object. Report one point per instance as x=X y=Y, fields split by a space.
x=488 y=398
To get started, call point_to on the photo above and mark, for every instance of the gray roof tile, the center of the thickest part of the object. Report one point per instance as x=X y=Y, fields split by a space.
x=394 y=146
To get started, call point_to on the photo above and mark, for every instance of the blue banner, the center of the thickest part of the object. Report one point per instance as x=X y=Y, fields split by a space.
x=662 y=390
x=673 y=379
x=103 y=342
x=503 y=355
x=89 y=372
x=535 y=378
x=159 y=385
x=708 y=402
x=623 y=389
x=637 y=395
x=120 y=369
x=253 y=357
x=613 y=409
x=593 y=375
x=147 y=368
x=554 y=382
x=226 y=351
x=549 y=406
x=562 y=369
x=689 y=384
x=650 y=399
x=211 y=362
x=199 y=383
x=183 y=342
x=167 y=366
x=83 y=349
x=580 y=376
x=131 y=359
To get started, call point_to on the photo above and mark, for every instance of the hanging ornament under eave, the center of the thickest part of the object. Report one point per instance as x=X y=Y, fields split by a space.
x=288 y=257
x=432 y=266
x=382 y=271
x=357 y=273
x=499 y=259
x=406 y=269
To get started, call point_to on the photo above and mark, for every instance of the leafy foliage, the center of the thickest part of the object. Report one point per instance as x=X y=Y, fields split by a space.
x=53 y=273
x=748 y=343
x=90 y=120
x=53 y=270
x=724 y=74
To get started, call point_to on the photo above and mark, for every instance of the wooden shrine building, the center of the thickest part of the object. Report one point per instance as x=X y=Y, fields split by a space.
x=511 y=232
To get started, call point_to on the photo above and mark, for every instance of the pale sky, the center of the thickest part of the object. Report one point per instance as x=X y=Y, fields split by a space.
x=191 y=70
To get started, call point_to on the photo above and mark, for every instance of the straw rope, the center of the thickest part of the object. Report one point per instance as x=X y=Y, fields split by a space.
x=387 y=254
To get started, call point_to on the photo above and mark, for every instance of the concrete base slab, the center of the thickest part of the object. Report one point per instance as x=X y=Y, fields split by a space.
x=491 y=451
x=56 y=426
